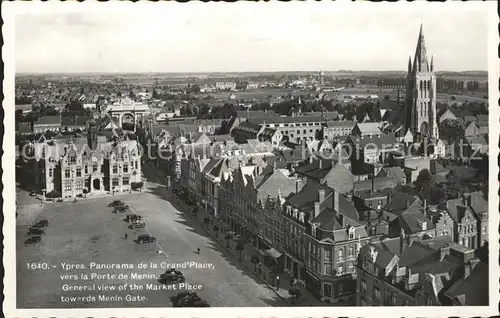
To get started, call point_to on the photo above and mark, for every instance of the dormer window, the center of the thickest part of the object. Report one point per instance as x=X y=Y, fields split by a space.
x=351 y=231
x=72 y=159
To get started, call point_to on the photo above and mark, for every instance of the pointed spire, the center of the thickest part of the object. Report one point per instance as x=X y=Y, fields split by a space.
x=409 y=63
x=432 y=63
x=420 y=63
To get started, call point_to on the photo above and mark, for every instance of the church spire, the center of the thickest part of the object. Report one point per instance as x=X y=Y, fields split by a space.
x=409 y=64
x=432 y=63
x=420 y=63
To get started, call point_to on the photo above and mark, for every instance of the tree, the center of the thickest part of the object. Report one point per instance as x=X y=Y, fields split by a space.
x=240 y=247
x=424 y=184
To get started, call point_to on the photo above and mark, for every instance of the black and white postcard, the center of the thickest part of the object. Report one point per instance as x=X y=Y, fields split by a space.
x=250 y=159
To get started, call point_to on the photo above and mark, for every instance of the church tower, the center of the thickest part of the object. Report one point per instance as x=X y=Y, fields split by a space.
x=421 y=115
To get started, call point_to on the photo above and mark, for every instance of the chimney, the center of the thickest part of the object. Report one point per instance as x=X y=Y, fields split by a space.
x=310 y=159
x=341 y=219
x=316 y=209
x=335 y=197
x=339 y=156
x=321 y=195
x=274 y=165
x=297 y=185
x=373 y=184
x=402 y=242
x=320 y=164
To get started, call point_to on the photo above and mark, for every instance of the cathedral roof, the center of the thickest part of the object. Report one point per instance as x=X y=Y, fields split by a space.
x=420 y=62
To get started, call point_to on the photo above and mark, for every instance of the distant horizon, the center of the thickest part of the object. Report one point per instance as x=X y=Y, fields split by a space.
x=241 y=72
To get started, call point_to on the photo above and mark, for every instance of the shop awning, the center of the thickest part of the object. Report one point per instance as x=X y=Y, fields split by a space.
x=274 y=253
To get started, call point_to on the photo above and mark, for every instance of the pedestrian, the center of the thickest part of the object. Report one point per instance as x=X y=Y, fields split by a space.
x=198 y=251
x=277 y=283
x=126 y=235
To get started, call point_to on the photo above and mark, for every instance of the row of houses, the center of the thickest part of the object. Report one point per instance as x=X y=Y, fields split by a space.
x=314 y=220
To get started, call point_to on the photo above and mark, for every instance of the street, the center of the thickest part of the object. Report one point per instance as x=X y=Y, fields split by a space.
x=87 y=231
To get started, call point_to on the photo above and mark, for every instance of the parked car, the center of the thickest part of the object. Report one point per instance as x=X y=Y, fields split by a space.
x=116 y=203
x=172 y=278
x=145 y=238
x=180 y=295
x=132 y=217
x=33 y=230
x=121 y=209
x=200 y=303
x=137 y=225
x=33 y=239
x=42 y=223
x=167 y=272
x=188 y=301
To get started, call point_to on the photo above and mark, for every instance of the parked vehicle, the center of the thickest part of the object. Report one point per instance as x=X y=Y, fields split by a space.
x=180 y=295
x=200 y=303
x=116 y=203
x=137 y=225
x=33 y=194
x=121 y=209
x=172 y=278
x=145 y=238
x=167 y=272
x=42 y=223
x=33 y=230
x=188 y=300
x=132 y=217
x=33 y=239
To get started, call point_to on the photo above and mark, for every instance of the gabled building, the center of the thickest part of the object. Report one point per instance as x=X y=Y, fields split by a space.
x=326 y=171
x=324 y=236
x=470 y=216
x=406 y=271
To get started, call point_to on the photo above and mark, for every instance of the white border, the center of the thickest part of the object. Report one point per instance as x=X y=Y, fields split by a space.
x=10 y=9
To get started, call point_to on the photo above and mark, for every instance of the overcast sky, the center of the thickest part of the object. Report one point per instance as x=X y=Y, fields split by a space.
x=202 y=37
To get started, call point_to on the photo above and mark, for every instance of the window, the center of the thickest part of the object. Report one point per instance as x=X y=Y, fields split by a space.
x=351 y=251
x=341 y=288
x=393 y=298
x=376 y=294
x=340 y=254
x=115 y=182
x=67 y=186
x=340 y=270
x=67 y=173
x=51 y=172
x=79 y=185
x=115 y=169
x=125 y=167
x=328 y=269
x=86 y=169
x=78 y=172
x=363 y=286
x=126 y=180
x=327 y=290
x=328 y=255
x=94 y=168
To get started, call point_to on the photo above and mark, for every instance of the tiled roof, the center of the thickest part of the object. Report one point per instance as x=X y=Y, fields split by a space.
x=472 y=290
x=400 y=202
x=49 y=120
